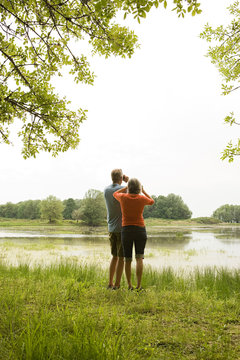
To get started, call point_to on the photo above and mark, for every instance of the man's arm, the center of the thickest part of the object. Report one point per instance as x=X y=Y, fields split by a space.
x=125 y=178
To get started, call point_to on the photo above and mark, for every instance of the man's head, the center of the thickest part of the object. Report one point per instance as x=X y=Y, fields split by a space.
x=117 y=176
x=134 y=186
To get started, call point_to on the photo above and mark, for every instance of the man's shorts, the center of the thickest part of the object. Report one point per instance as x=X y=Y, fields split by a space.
x=116 y=244
x=133 y=235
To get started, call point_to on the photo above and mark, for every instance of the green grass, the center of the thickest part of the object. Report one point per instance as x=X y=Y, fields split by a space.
x=65 y=312
x=71 y=225
x=31 y=246
x=64 y=226
x=168 y=222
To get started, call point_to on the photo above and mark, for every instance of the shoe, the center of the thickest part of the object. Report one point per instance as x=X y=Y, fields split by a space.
x=116 y=287
x=139 y=289
x=109 y=287
x=130 y=288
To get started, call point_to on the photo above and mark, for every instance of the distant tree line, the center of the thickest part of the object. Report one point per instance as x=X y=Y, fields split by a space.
x=228 y=213
x=91 y=209
x=29 y=209
x=168 y=207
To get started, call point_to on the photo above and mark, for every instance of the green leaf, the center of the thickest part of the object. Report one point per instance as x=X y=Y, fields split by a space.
x=143 y=14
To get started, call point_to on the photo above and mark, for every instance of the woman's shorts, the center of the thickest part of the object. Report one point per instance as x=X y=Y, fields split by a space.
x=133 y=235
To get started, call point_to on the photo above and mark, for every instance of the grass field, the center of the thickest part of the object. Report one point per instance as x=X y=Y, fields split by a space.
x=65 y=312
x=65 y=226
x=71 y=226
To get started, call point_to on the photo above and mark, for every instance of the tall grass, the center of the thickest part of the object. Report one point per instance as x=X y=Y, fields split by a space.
x=214 y=281
x=65 y=312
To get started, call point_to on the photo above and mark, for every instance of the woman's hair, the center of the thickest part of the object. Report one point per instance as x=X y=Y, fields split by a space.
x=134 y=186
x=116 y=175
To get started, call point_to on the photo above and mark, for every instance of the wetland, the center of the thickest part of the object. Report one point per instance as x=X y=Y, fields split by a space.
x=54 y=303
x=177 y=247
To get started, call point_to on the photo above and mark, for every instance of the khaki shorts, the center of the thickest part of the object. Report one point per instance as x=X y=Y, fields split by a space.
x=116 y=244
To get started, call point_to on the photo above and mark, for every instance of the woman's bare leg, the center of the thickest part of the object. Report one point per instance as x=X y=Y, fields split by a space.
x=139 y=271
x=128 y=265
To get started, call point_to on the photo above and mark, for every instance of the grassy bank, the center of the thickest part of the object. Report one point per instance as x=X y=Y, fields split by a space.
x=64 y=226
x=71 y=226
x=65 y=312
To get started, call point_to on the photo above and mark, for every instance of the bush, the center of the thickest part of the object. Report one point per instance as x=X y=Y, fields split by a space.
x=207 y=220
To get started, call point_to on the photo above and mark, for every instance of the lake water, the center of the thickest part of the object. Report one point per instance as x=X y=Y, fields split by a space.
x=181 y=248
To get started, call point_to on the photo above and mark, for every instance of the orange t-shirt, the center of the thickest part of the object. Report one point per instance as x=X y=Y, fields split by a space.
x=132 y=206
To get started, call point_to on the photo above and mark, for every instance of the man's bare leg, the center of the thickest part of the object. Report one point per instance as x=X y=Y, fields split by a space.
x=139 y=271
x=119 y=271
x=112 y=269
x=128 y=265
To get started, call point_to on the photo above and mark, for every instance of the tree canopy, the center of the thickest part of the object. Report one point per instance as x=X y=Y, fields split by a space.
x=29 y=209
x=51 y=209
x=228 y=213
x=93 y=210
x=225 y=54
x=36 y=45
x=69 y=207
x=168 y=207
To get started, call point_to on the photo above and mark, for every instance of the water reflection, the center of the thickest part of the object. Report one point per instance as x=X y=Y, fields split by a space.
x=232 y=235
x=170 y=240
x=175 y=247
x=225 y=239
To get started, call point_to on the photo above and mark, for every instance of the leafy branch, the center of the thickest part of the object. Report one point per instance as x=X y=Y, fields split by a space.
x=225 y=55
x=36 y=44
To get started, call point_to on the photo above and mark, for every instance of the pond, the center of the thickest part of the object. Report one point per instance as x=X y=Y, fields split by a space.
x=180 y=248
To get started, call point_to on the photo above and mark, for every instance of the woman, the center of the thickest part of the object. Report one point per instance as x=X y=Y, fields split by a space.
x=133 y=227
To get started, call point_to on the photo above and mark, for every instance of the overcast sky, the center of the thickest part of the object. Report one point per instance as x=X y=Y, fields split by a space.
x=158 y=116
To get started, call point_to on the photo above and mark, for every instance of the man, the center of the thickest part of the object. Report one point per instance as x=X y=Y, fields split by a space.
x=114 y=219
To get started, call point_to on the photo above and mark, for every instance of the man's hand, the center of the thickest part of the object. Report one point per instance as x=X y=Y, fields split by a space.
x=125 y=178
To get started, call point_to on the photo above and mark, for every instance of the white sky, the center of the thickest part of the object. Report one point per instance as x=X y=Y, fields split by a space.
x=158 y=116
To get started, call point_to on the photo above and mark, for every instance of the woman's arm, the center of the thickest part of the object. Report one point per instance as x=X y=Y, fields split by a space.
x=123 y=190
x=148 y=196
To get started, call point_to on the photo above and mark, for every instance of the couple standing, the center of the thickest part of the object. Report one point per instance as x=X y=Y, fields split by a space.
x=126 y=227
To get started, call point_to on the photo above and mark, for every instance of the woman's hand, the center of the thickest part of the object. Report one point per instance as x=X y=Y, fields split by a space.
x=144 y=192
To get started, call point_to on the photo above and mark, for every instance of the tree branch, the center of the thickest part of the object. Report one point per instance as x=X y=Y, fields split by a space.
x=4 y=136
x=17 y=69
x=23 y=22
x=40 y=116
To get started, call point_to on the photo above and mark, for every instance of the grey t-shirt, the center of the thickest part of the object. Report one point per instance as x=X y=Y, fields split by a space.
x=114 y=215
